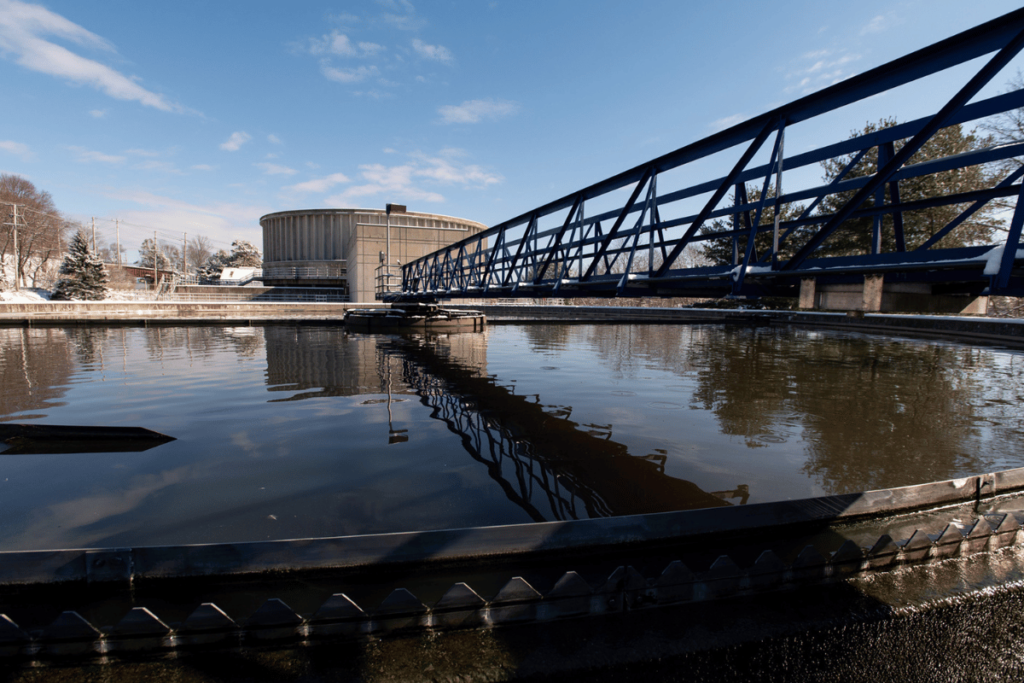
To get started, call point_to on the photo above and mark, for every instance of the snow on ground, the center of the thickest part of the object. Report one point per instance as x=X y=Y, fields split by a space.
x=26 y=296
x=37 y=296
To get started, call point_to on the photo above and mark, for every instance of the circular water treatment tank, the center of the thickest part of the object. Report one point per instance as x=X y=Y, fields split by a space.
x=344 y=247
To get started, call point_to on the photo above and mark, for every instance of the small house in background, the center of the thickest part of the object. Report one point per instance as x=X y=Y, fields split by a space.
x=139 y=274
x=240 y=276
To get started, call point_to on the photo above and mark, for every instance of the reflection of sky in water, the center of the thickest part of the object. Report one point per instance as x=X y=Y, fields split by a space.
x=283 y=431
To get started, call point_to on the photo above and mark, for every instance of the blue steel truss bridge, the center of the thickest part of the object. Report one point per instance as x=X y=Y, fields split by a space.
x=635 y=234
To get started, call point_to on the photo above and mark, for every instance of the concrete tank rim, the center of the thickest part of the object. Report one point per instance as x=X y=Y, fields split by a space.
x=352 y=211
x=57 y=565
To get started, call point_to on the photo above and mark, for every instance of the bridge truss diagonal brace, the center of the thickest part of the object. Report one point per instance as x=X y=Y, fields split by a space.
x=1002 y=279
x=888 y=151
x=775 y=162
x=499 y=243
x=969 y=211
x=557 y=242
x=649 y=203
x=618 y=223
x=723 y=187
x=531 y=228
x=813 y=205
x=980 y=79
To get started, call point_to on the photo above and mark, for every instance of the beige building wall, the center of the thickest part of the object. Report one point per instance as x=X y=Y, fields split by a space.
x=355 y=238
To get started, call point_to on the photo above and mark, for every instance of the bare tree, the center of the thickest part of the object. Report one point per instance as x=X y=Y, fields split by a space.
x=41 y=230
x=1008 y=127
x=199 y=251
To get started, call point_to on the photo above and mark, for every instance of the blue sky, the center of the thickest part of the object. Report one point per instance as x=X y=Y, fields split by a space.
x=200 y=117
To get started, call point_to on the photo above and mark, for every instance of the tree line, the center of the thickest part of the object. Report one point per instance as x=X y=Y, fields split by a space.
x=857 y=233
x=38 y=245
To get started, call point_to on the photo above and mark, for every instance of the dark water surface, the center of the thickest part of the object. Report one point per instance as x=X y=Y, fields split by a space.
x=291 y=431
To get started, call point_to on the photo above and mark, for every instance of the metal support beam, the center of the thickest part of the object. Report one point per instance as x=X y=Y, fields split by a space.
x=1002 y=280
x=618 y=224
x=717 y=196
x=976 y=83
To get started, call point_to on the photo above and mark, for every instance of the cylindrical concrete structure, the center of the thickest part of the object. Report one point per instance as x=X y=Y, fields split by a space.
x=342 y=247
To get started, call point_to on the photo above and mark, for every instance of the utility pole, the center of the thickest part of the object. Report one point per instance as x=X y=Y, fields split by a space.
x=117 y=241
x=17 y=259
x=397 y=208
x=778 y=203
x=156 y=252
x=387 y=254
x=94 y=234
x=184 y=255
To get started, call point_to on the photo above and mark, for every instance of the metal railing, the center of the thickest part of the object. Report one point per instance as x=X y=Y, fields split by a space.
x=325 y=272
x=263 y=295
x=628 y=235
x=386 y=282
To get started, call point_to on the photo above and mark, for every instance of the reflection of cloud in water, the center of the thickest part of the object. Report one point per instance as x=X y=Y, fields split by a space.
x=65 y=524
x=242 y=440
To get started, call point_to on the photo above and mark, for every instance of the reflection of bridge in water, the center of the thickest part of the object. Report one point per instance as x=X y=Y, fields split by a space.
x=626 y=235
x=551 y=467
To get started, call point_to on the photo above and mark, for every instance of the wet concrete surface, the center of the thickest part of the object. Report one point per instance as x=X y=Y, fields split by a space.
x=849 y=631
x=960 y=619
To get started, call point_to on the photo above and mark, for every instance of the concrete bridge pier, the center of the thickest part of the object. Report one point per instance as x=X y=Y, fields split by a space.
x=874 y=295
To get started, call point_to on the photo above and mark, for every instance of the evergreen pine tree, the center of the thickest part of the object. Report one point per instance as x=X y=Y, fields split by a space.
x=718 y=251
x=854 y=236
x=83 y=276
x=245 y=255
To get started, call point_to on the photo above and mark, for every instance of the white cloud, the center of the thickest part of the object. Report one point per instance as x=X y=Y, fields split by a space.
x=473 y=111
x=223 y=222
x=437 y=53
x=86 y=156
x=825 y=69
x=882 y=23
x=17 y=148
x=404 y=22
x=397 y=5
x=402 y=14
x=142 y=152
x=337 y=43
x=876 y=25
x=22 y=26
x=275 y=169
x=348 y=75
x=344 y=18
x=392 y=181
x=373 y=94
x=727 y=122
x=319 y=184
x=98 y=113
x=443 y=169
x=202 y=167
x=371 y=49
x=236 y=140
x=406 y=181
x=155 y=165
x=274 y=140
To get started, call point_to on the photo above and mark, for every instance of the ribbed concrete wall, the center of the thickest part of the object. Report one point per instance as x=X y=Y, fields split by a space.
x=310 y=237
